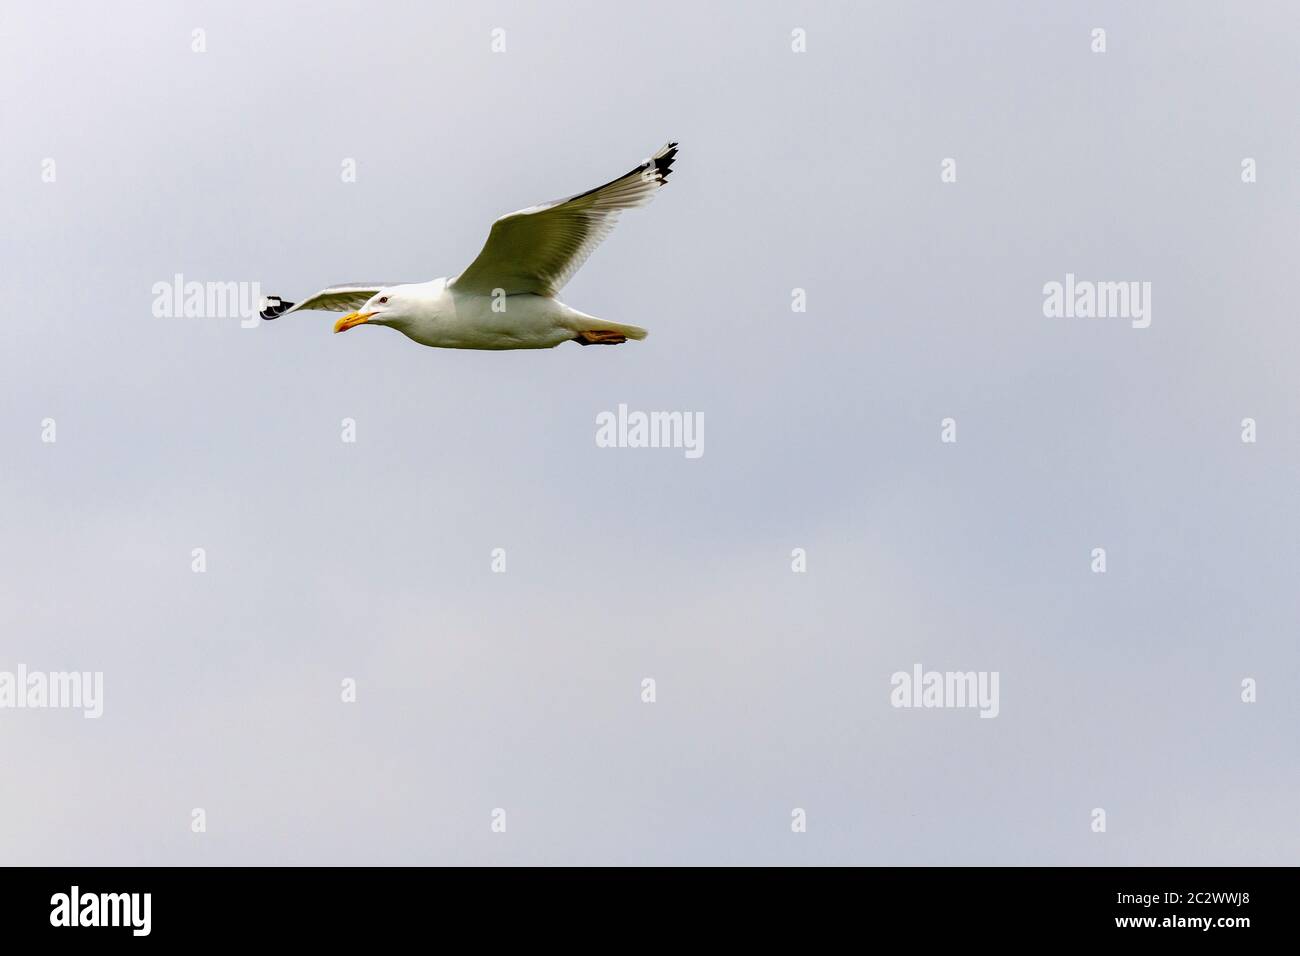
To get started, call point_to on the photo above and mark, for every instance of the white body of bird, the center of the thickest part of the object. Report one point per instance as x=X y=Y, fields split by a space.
x=436 y=314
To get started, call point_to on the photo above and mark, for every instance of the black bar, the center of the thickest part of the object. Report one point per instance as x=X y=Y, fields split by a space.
x=367 y=904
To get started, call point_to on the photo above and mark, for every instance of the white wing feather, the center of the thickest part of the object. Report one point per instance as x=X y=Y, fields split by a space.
x=347 y=297
x=537 y=250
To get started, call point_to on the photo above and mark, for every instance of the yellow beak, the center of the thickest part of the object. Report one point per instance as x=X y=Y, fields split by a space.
x=352 y=320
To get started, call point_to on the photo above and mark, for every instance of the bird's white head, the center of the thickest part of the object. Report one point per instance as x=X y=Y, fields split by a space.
x=386 y=307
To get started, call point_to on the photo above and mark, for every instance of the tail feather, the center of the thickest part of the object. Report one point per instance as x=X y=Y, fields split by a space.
x=630 y=331
x=595 y=329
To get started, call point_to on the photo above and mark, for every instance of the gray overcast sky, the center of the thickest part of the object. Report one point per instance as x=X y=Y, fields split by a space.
x=371 y=560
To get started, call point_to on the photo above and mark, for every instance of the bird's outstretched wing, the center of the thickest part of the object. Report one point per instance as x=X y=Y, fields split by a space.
x=337 y=298
x=539 y=249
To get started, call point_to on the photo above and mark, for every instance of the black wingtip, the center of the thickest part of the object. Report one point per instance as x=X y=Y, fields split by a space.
x=275 y=306
x=663 y=161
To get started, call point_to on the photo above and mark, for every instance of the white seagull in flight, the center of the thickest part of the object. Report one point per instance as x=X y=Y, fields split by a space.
x=506 y=299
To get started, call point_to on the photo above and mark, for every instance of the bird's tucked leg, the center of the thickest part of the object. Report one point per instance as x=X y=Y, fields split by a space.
x=600 y=337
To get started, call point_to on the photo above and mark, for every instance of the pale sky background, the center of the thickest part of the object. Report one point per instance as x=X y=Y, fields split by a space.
x=522 y=690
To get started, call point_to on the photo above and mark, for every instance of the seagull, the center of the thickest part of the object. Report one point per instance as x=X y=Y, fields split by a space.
x=507 y=297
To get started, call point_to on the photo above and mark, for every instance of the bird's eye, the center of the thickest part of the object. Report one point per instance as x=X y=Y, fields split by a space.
x=383 y=300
